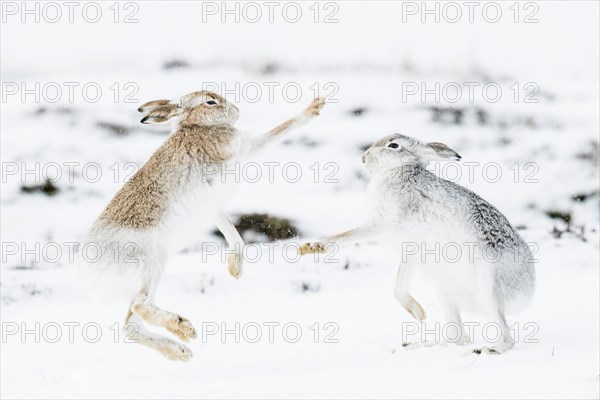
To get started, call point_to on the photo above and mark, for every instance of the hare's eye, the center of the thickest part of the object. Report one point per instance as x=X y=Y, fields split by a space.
x=211 y=103
x=393 y=145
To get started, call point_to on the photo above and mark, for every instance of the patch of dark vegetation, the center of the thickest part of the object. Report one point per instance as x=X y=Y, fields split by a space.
x=357 y=112
x=22 y=291
x=302 y=141
x=561 y=215
x=504 y=141
x=269 y=69
x=483 y=118
x=479 y=116
x=576 y=230
x=176 y=63
x=307 y=287
x=591 y=153
x=568 y=228
x=115 y=129
x=205 y=283
x=57 y=110
x=447 y=115
x=530 y=122
x=8 y=300
x=307 y=142
x=22 y=267
x=48 y=188
x=582 y=197
x=33 y=290
x=264 y=226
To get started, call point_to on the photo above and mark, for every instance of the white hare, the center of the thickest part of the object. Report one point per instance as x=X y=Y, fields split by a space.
x=178 y=185
x=419 y=214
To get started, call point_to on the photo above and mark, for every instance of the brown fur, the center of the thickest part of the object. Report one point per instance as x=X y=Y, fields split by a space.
x=153 y=104
x=161 y=113
x=144 y=199
x=204 y=135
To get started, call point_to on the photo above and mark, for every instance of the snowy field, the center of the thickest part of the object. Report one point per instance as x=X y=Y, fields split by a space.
x=525 y=121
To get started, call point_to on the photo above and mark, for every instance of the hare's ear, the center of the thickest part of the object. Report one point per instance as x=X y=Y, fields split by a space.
x=161 y=114
x=152 y=104
x=439 y=151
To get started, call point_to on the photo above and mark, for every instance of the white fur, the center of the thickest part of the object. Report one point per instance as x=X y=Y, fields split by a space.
x=413 y=210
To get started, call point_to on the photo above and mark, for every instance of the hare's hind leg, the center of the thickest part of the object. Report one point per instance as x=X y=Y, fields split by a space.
x=167 y=347
x=409 y=303
x=506 y=341
x=454 y=320
x=403 y=296
x=144 y=306
x=491 y=298
x=144 y=303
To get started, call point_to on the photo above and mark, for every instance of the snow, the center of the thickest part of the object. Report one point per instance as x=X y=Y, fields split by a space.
x=369 y=56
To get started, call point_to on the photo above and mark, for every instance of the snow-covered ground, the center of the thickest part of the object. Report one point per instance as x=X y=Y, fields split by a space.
x=373 y=64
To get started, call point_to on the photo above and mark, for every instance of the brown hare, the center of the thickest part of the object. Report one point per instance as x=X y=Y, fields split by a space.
x=177 y=185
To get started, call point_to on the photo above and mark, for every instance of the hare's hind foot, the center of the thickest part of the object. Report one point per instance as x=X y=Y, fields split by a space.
x=499 y=349
x=175 y=351
x=170 y=349
x=174 y=323
x=444 y=342
x=506 y=342
x=485 y=350
x=182 y=328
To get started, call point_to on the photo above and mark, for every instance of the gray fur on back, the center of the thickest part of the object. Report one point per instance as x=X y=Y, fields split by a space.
x=406 y=194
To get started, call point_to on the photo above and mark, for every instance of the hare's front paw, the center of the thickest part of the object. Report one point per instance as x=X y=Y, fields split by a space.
x=414 y=308
x=315 y=107
x=309 y=248
x=234 y=265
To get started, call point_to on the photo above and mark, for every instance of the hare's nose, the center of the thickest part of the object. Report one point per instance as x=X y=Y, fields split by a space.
x=364 y=157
